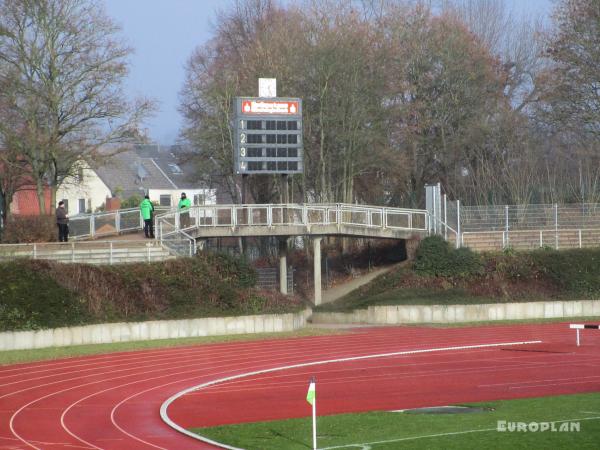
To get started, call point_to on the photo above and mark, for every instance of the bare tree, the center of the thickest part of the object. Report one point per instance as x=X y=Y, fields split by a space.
x=518 y=42
x=570 y=102
x=65 y=65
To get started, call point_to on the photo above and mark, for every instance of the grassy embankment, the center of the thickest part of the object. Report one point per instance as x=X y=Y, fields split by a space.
x=42 y=294
x=442 y=275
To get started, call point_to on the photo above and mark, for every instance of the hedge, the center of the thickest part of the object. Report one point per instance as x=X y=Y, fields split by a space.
x=38 y=294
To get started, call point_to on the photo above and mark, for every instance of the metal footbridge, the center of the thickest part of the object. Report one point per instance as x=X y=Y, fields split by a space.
x=308 y=219
x=285 y=220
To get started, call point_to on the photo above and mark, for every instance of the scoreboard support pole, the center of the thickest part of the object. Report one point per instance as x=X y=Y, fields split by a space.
x=283 y=244
x=244 y=241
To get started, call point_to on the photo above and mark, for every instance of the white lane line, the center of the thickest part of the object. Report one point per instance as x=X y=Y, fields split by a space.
x=268 y=383
x=553 y=384
x=367 y=445
x=195 y=364
x=163 y=408
x=538 y=381
x=136 y=394
x=232 y=355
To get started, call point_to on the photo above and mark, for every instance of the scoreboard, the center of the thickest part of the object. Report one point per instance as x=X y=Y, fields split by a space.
x=268 y=136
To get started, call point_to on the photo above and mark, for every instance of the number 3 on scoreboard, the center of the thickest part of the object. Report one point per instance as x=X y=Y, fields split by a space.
x=243 y=138
x=243 y=151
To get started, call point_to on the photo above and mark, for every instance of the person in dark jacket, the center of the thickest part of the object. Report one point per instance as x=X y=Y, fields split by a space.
x=62 y=222
x=147 y=210
x=184 y=205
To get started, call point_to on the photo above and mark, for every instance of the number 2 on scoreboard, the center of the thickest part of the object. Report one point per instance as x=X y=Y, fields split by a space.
x=243 y=138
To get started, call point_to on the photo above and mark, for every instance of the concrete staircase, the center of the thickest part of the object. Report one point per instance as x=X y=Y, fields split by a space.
x=94 y=252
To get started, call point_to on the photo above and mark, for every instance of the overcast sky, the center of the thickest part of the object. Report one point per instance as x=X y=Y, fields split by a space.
x=164 y=34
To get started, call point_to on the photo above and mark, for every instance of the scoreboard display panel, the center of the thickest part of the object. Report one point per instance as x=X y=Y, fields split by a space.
x=268 y=136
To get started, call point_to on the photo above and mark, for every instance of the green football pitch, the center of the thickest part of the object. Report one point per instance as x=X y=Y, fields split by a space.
x=561 y=422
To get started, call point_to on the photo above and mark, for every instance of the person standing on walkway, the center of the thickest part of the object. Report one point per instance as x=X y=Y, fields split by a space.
x=147 y=210
x=62 y=222
x=184 y=214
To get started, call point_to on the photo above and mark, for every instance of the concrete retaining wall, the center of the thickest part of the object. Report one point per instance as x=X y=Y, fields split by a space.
x=461 y=313
x=139 y=331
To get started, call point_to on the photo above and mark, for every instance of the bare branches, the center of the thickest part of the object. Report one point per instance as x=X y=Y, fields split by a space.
x=64 y=64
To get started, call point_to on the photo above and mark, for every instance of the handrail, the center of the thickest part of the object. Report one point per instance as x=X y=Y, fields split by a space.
x=107 y=222
x=74 y=250
x=292 y=214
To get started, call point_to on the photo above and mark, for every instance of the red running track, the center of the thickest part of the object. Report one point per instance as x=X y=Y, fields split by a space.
x=112 y=401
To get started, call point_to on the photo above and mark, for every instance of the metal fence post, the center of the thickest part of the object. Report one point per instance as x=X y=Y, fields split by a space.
x=556 y=225
x=92 y=225
x=72 y=252
x=458 y=235
x=579 y=238
x=110 y=257
x=34 y=251
x=505 y=239
x=118 y=221
x=445 y=217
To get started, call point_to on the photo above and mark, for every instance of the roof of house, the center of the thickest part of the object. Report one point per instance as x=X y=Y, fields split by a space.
x=150 y=166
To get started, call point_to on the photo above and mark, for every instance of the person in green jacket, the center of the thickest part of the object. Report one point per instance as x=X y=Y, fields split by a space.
x=147 y=209
x=184 y=205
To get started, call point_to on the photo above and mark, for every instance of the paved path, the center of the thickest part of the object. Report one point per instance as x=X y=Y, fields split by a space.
x=336 y=292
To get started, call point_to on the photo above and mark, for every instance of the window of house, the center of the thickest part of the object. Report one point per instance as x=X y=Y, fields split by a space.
x=165 y=200
x=82 y=208
x=66 y=205
x=199 y=199
x=175 y=169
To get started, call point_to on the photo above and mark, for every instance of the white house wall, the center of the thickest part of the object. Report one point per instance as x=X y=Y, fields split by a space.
x=90 y=187
x=210 y=195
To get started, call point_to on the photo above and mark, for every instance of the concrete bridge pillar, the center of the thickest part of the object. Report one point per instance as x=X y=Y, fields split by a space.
x=283 y=266
x=317 y=268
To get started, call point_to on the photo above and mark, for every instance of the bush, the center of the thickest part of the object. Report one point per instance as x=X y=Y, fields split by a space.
x=31 y=300
x=38 y=294
x=235 y=269
x=436 y=257
x=28 y=229
x=515 y=266
x=576 y=271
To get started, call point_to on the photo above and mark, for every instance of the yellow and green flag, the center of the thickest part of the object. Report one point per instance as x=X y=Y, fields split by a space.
x=310 y=395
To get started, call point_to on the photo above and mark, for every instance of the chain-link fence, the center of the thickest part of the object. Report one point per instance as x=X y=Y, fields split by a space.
x=530 y=217
x=495 y=227
x=268 y=278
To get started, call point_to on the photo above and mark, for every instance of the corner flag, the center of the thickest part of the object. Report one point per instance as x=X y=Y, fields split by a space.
x=310 y=395
x=312 y=399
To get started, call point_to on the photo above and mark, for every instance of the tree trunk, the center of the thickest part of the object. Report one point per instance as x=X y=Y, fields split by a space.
x=41 y=195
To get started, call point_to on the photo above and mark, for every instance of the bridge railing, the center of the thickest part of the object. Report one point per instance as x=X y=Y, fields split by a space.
x=107 y=223
x=272 y=215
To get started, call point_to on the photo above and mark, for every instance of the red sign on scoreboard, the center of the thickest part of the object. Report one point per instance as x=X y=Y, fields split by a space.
x=266 y=107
